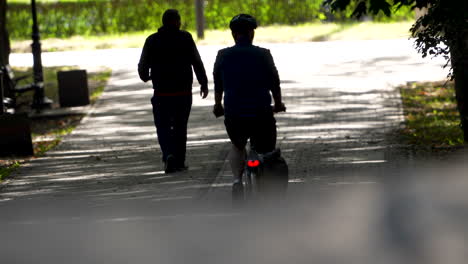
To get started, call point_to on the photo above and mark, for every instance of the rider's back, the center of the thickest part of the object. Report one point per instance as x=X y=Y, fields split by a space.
x=247 y=74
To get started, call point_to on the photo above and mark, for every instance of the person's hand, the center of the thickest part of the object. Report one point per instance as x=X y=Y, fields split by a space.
x=204 y=91
x=279 y=108
x=218 y=110
x=145 y=78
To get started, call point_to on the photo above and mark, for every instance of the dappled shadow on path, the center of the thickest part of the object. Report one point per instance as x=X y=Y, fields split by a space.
x=337 y=134
x=330 y=135
x=114 y=153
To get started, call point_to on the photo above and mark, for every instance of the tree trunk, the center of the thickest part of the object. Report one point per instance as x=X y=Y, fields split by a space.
x=4 y=39
x=460 y=72
x=200 y=17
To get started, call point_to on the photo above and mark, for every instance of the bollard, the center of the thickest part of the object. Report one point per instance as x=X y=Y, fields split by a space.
x=15 y=135
x=73 y=88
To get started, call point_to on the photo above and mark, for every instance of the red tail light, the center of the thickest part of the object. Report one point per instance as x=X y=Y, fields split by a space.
x=253 y=163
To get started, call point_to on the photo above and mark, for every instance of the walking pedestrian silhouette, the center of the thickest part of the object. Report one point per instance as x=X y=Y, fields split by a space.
x=167 y=59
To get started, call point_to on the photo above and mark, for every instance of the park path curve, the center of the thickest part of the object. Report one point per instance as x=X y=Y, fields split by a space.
x=105 y=197
x=341 y=101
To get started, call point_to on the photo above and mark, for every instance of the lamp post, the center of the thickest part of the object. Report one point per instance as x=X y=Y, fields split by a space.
x=39 y=101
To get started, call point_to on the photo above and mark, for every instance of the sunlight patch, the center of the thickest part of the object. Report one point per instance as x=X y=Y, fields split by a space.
x=77 y=178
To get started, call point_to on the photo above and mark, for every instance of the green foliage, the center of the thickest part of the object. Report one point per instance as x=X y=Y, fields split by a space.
x=6 y=171
x=99 y=79
x=67 y=18
x=431 y=115
x=219 y=12
x=377 y=10
x=63 y=19
x=446 y=22
x=359 y=8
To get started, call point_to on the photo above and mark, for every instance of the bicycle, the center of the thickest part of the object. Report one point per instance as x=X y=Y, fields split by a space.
x=265 y=174
x=255 y=165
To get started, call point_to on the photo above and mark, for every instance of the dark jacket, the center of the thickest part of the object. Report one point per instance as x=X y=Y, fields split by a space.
x=167 y=59
x=246 y=74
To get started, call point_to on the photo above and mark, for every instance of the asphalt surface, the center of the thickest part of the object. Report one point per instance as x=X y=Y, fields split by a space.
x=353 y=196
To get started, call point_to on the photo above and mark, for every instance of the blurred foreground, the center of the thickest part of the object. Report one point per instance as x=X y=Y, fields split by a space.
x=415 y=216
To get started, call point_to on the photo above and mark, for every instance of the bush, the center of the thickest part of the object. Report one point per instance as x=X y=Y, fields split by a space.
x=67 y=18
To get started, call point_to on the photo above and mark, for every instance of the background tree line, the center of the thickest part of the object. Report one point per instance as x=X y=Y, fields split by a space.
x=68 y=18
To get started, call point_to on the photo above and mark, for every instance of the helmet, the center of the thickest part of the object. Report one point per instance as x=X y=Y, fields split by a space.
x=243 y=23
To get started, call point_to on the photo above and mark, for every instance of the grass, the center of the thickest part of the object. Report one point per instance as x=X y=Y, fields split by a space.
x=431 y=115
x=47 y=132
x=271 y=34
x=6 y=171
x=279 y=33
x=373 y=31
x=97 y=79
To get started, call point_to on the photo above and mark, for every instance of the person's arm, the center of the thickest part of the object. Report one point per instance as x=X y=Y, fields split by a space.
x=199 y=69
x=218 y=109
x=218 y=98
x=275 y=85
x=144 y=64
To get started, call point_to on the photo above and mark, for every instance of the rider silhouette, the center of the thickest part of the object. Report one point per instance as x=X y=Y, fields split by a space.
x=246 y=75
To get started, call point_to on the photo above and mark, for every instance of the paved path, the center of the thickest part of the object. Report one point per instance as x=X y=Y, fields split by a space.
x=105 y=186
x=341 y=102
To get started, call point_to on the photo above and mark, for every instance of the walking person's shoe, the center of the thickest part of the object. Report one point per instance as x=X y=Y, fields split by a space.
x=170 y=165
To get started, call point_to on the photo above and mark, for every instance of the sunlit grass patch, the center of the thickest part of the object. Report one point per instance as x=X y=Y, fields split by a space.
x=374 y=31
x=97 y=79
x=431 y=116
x=278 y=33
x=321 y=31
x=97 y=82
x=47 y=132
x=109 y=41
x=306 y=32
x=6 y=170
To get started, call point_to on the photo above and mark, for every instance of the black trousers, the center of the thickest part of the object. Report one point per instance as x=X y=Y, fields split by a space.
x=171 y=114
x=260 y=130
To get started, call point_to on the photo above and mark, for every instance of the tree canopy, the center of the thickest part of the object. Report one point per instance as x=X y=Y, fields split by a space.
x=440 y=32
